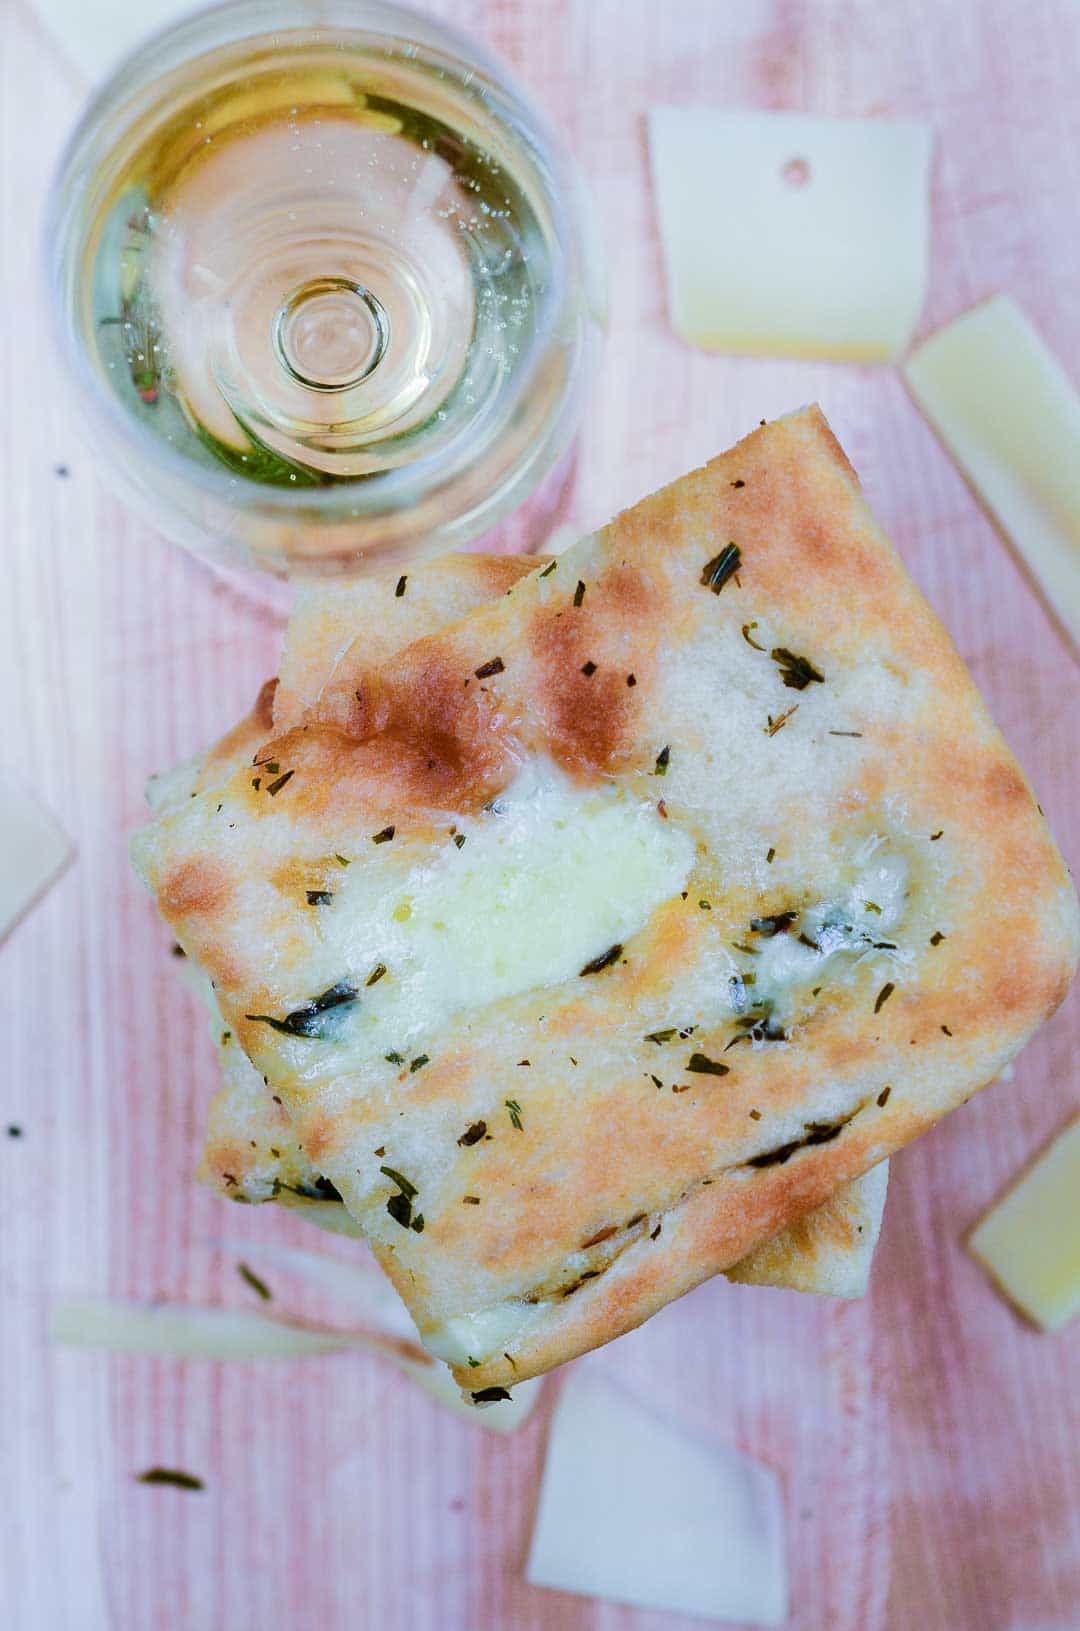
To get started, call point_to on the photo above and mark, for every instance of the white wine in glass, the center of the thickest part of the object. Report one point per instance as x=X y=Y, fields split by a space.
x=325 y=283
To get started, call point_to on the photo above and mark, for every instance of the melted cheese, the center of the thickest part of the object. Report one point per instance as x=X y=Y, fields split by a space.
x=546 y=880
x=480 y=1335
x=847 y=924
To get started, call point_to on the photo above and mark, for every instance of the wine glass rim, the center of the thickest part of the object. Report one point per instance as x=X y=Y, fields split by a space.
x=385 y=491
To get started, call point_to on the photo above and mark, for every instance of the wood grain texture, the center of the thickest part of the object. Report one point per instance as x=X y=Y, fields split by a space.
x=927 y=1440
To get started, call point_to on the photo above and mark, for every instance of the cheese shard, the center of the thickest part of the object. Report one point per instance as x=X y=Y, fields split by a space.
x=33 y=851
x=637 y=1511
x=1030 y=1241
x=788 y=235
x=187 y=1332
x=1010 y=417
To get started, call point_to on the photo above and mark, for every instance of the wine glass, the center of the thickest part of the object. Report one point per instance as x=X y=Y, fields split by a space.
x=325 y=285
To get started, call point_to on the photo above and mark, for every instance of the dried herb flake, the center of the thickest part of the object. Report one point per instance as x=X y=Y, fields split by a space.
x=319 y=1019
x=260 y=1287
x=779 y=722
x=605 y=959
x=409 y=1190
x=716 y=572
x=776 y=924
x=795 y=671
x=704 y=1066
x=169 y=1475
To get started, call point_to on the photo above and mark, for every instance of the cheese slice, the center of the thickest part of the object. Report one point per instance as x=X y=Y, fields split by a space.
x=789 y=235
x=33 y=851
x=637 y=1511
x=1030 y=1241
x=188 y=1332
x=1010 y=417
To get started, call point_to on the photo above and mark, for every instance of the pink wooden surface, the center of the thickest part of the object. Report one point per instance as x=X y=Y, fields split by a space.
x=927 y=1441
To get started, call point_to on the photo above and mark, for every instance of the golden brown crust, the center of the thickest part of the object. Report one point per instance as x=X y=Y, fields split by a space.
x=342 y=633
x=583 y=656
x=886 y=741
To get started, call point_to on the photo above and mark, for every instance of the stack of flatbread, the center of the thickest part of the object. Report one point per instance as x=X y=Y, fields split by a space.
x=582 y=928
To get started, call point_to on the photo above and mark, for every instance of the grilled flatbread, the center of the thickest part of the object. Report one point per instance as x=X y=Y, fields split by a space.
x=251 y=1152
x=749 y=892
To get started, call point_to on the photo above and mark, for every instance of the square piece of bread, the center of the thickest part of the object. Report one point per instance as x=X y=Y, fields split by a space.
x=251 y=1152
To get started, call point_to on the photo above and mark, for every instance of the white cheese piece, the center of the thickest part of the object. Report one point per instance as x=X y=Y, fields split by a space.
x=789 y=235
x=1030 y=1241
x=188 y=1332
x=33 y=851
x=639 y=1512
x=868 y=909
x=1010 y=417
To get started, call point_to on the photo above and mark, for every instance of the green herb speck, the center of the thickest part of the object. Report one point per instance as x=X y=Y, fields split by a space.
x=716 y=572
x=260 y=1287
x=705 y=1066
